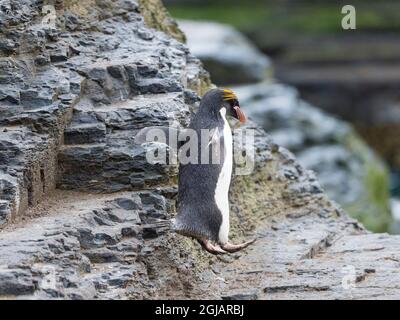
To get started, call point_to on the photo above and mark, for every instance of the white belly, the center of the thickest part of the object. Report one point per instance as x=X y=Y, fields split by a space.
x=224 y=181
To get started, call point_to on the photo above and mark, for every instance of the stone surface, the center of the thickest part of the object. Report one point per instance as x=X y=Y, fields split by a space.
x=226 y=53
x=347 y=169
x=156 y=16
x=395 y=206
x=352 y=75
x=100 y=92
x=109 y=248
x=72 y=99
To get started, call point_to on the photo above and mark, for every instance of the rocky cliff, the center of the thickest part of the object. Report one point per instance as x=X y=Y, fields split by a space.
x=347 y=168
x=84 y=216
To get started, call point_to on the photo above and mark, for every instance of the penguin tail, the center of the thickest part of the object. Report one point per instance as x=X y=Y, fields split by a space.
x=184 y=230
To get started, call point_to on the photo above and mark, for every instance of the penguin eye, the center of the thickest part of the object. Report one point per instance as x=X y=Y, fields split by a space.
x=234 y=103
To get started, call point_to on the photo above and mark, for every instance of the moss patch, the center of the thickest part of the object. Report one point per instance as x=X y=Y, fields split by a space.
x=372 y=210
x=296 y=17
x=156 y=16
x=80 y=7
x=265 y=194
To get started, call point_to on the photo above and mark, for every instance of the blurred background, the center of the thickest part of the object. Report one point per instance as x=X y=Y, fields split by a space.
x=329 y=95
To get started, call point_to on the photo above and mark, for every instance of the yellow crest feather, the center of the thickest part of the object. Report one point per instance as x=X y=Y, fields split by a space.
x=228 y=95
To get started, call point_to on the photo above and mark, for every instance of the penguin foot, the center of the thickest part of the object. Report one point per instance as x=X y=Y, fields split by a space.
x=208 y=246
x=229 y=247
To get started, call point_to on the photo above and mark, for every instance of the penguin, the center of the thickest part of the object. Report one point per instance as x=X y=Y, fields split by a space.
x=203 y=188
x=203 y=203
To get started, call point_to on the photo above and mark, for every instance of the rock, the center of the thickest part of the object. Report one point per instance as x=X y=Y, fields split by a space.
x=4 y=211
x=162 y=20
x=74 y=244
x=16 y=282
x=346 y=77
x=38 y=97
x=347 y=169
x=251 y=295
x=104 y=232
x=85 y=133
x=395 y=208
x=226 y=54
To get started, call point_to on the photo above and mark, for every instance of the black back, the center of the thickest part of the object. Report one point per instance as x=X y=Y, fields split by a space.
x=198 y=214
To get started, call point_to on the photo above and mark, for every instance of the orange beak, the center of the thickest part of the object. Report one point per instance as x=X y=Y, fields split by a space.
x=240 y=114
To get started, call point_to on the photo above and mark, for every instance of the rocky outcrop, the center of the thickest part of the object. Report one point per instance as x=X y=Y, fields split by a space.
x=84 y=216
x=347 y=169
x=226 y=52
x=353 y=75
x=72 y=80
x=157 y=16
x=350 y=77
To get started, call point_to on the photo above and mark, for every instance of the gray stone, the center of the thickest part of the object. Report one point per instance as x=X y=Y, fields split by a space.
x=226 y=54
x=346 y=168
x=395 y=208
x=5 y=211
x=16 y=282
x=110 y=236
x=251 y=295
x=85 y=133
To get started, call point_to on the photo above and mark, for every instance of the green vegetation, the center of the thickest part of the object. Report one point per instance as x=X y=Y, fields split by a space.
x=239 y=16
x=301 y=17
x=373 y=211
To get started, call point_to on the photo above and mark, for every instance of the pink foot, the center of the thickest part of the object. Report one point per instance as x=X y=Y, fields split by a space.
x=236 y=247
x=214 y=249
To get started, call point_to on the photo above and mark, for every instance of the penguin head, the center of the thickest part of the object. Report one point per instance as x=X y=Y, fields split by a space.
x=216 y=99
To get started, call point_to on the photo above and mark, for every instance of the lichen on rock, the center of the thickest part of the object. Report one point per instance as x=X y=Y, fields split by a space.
x=157 y=16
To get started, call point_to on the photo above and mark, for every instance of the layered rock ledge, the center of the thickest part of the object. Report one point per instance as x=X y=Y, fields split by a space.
x=84 y=215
